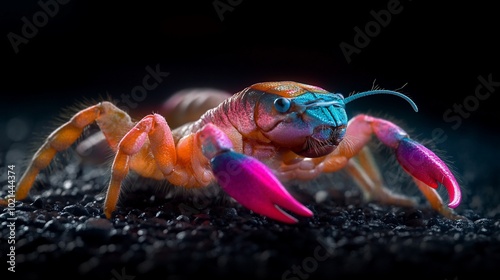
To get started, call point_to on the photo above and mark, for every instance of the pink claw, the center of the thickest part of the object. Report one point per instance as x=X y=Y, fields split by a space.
x=253 y=185
x=424 y=165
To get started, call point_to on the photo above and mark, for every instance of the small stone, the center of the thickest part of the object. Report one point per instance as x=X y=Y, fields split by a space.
x=76 y=209
x=38 y=203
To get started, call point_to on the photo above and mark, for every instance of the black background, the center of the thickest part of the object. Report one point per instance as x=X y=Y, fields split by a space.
x=92 y=48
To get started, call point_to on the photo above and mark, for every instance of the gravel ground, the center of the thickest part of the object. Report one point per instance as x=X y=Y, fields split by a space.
x=61 y=230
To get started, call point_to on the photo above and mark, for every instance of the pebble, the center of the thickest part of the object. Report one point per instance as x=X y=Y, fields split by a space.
x=76 y=209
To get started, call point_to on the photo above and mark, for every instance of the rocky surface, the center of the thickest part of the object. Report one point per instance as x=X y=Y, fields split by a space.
x=61 y=230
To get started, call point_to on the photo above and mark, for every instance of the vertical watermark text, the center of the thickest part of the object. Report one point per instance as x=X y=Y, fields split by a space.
x=11 y=219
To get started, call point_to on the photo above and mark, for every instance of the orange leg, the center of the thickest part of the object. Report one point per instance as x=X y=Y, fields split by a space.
x=162 y=147
x=64 y=136
x=436 y=202
x=58 y=141
x=365 y=173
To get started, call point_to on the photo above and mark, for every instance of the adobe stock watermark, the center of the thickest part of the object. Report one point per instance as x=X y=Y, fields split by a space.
x=463 y=110
x=471 y=103
x=455 y=116
x=11 y=218
x=363 y=37
x=309 y=264
x=223 y=6
x=150 y=81
x=30 y=27
x=121 y=276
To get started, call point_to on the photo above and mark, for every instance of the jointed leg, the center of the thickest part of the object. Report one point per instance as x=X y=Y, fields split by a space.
x=435 y=201
x=57 y=141
x=152 y=127
x=111 y=120
x=366 y=174
x=367 y=162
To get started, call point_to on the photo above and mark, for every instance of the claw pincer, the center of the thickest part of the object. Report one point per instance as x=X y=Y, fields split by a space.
x=425 y=166
x=417 y=160
x=247 y=180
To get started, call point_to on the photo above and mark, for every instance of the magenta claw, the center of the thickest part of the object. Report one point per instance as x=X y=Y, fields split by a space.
x=252 y=184
x=424 y=165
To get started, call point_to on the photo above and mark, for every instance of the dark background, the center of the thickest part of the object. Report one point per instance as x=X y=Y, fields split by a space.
x=90 y=49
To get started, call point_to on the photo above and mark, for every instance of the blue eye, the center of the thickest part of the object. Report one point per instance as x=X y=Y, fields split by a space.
x=282 y=104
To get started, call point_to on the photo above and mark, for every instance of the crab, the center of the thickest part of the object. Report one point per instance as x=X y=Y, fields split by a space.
x=251 y=144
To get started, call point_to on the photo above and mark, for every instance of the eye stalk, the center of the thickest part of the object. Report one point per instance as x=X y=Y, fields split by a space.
x=282 y=104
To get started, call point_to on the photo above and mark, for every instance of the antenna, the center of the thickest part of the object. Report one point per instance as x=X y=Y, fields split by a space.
x=381 y=91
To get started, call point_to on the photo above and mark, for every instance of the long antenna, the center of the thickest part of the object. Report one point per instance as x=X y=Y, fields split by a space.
x=381 y=91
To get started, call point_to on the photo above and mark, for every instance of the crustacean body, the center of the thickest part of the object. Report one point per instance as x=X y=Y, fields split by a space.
x=253 y=141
